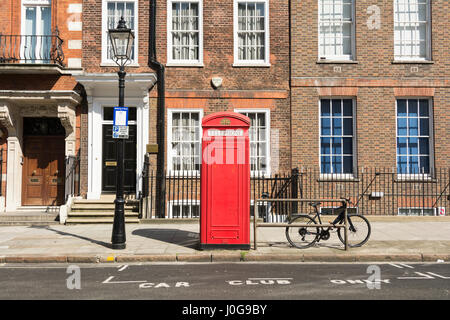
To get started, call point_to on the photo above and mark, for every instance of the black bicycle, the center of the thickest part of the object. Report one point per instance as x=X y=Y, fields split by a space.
x=303 y=237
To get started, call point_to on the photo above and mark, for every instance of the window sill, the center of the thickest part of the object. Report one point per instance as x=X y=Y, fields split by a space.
x=182 y=174
x=325 y=61
x=113 y=64
x=337 y=178
x=415 y=178
x=412 y=62
x=185 y=65
x=251 y=65
x=259 y=174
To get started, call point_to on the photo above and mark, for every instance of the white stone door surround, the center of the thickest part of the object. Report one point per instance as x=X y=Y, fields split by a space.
x=14 y=106
x=102 y=91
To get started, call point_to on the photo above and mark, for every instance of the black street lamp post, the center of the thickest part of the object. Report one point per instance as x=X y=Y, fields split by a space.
x=122 y=43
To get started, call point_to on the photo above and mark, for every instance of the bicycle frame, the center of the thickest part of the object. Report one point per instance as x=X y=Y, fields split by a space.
x=340 y=218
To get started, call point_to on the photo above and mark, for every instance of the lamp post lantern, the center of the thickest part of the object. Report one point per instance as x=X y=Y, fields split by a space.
x=122 y=44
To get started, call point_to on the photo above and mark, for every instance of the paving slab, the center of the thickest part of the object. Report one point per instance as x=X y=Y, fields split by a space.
x=413 y=240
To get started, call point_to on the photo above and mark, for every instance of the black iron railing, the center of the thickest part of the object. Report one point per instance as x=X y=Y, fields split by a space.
x=373 y=191
x=31 y=49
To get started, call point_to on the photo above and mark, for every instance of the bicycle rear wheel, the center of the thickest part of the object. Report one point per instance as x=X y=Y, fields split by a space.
x=358 y=230
x=302 y=237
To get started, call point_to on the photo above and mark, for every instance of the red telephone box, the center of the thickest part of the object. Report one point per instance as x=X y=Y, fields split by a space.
x=225 y=182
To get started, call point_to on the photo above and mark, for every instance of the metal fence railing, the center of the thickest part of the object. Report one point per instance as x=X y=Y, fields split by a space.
x=381 y=191
x=32 y=49
x=373 y=191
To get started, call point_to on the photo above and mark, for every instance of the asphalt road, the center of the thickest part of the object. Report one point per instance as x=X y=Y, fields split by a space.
x=230 y=281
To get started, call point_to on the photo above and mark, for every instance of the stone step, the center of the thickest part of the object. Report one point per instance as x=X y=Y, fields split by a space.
x=37 y=209
x=27 y=218
x=100 y=214
x=81 y=220
x=94 y=208
x=28 y=223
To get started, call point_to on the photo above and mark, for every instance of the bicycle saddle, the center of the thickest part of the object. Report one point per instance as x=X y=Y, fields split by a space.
x=314 y=204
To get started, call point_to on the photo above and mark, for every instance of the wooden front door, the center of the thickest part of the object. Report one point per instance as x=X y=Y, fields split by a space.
x=43 y=171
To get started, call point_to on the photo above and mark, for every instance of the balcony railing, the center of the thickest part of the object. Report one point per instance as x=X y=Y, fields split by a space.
x=31 y=49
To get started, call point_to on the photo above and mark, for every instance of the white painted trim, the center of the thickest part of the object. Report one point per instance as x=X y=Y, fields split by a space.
x=75 y=44
x=75 y=25
x=251 y=63
x=417 y=176
x=184 y=63
x=339 y=176
x=75 y=8
x=415 y=208
x=268 y=139
x=170 y=111
x=14 y=170
x=74 y=63
x=95 y=141
x=346 y=57
x=25 y=4
x=181 y=202
x=429 y=50
x=105 y=60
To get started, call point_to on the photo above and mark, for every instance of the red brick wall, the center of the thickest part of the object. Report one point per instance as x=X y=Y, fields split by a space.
x=374 y=82
x=92 y=37
x=242 y=87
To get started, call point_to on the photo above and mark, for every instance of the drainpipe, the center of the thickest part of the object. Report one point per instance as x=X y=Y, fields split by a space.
x=160 y=118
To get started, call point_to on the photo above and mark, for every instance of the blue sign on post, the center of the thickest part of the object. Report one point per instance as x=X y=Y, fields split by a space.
x=120 y=124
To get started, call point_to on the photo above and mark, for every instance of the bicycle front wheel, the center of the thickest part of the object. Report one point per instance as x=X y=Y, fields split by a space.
x=303 y=237
x=358 y=230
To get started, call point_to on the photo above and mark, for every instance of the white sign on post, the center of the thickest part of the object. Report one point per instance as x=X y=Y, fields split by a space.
x=120 y=125
x=120 y=132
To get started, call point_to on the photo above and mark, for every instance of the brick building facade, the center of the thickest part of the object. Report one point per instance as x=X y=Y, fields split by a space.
x=255 y=85
x=338 y=86
x=370 y=89
x=40 y=45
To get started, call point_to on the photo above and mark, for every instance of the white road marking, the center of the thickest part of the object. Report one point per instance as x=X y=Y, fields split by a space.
x=439 y=276
x=423 y=276
x=112 y=277
x=405 y=265
x=4 y=247
x=270 y=278
x=123 y=267
x=394 y=265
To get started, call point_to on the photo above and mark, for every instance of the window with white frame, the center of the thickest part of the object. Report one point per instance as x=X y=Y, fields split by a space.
x=413 y=136
x=185 y=32
x=113 y=11
x=411 y=29
x=337 y=136
x=336 y=29
x=184 y=209
x=251 y=25
x=184 y=140
x=259 y=140
x=36 y=25
x=416 y=211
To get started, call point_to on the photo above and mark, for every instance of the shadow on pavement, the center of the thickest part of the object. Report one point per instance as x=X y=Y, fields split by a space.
x=183 y=238
x=101 y=243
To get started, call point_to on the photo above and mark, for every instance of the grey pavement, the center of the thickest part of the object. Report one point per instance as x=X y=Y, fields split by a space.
x=391 y=240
